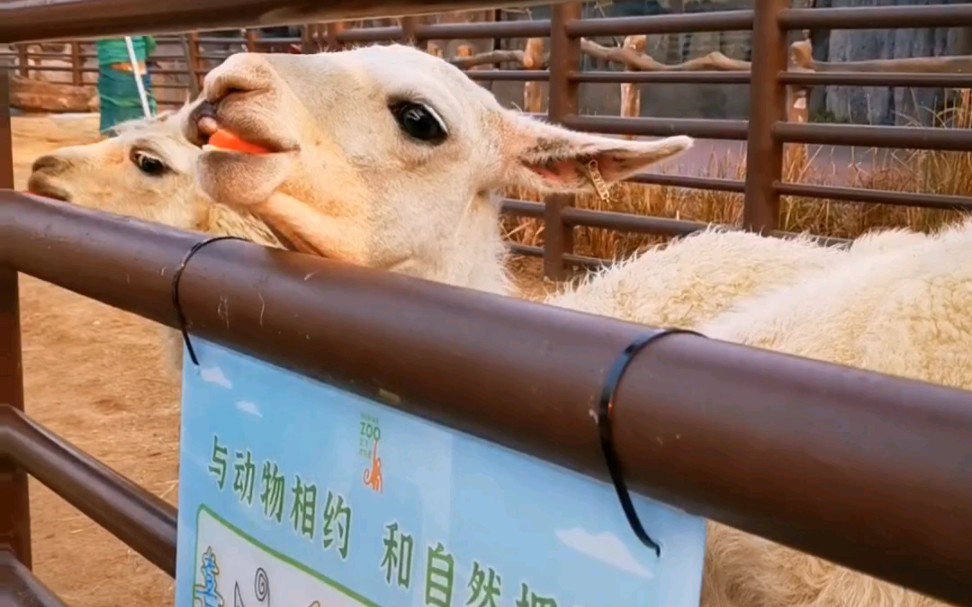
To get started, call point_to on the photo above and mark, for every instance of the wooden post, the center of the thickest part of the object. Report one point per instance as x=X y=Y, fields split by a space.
x=533 y=91
x=797 y=103
x=631 y=92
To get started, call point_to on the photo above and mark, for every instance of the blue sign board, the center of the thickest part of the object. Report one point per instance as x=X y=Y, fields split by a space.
x=294 y=493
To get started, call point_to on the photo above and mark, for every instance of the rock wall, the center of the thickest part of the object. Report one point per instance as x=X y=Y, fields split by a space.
x=884 y=105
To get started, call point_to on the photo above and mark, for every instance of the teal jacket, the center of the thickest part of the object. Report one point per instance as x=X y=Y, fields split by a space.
x=114 y=50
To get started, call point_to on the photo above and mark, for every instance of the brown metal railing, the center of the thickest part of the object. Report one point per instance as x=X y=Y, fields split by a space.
x=765 y=132
x=906 y=468
x=902 y=493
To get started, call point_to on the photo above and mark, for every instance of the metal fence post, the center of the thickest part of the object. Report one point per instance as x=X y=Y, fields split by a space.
x=409 y=26
x=767 y=106
x=77 y=62
x=14 y=498
x=23 y=60
x=333 y=30
x=195 y=62
x=565 y=56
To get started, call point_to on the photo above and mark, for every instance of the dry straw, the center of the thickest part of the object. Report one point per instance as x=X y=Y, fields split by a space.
x=921 y=171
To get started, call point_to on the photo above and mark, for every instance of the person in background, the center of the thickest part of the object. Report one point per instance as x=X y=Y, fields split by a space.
x=116 y=80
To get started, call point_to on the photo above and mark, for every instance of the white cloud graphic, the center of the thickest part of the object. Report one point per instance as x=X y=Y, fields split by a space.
x=247 y=406
x=605 y=547
x=214 y=375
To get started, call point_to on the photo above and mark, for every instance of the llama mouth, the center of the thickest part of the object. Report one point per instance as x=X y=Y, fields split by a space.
x=37 y=185
x=215 y=133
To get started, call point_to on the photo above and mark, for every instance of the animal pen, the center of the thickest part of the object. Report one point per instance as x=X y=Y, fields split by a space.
x=865 y=470
x=554 y=53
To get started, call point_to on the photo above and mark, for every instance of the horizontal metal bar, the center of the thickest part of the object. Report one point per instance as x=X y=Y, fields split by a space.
x=716 y=21
x=698 y=183
x=437 y=31
x=525 y=250
x=917 y=138
x=52 y=68
x=490 y=29
x=523 y=208
x=509 y=75
x=909 y=199
x=877 y=17
x=142 y=520
x=221 y=40
x=906 y=469
x=876 y=79
x=659 y=127
x=20 y=588
x=627 y=222
x=370 y=34
x=591 y=263
x=660 y=77
x=41 y=20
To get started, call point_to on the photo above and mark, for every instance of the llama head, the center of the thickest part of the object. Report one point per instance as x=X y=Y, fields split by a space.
x=147 y=171
x=386 y=156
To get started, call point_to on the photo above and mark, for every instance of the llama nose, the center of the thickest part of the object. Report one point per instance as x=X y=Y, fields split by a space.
x=239 y=73
x=50 y=164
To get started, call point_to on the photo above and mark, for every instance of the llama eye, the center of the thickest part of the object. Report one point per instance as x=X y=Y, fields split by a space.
x=148 y=164
x=419 y=122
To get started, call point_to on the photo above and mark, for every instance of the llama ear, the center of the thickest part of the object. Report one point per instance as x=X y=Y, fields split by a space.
x=550 y=158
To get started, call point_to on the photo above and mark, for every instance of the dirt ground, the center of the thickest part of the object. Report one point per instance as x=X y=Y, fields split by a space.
x=93 y=375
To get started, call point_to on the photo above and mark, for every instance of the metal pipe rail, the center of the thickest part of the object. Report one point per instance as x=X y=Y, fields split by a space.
x=717 y=21
x=876 y=17
x=659 y=127
x=140 y=519
x=38 y=20
x=866 y=470
x=20 y=588
x=877 y=79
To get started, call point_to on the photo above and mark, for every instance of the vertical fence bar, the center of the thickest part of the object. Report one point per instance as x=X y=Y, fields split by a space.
x=77 y=62
x=408 y=32
x=195 y=63
x=334 y=30
x=307 y=39
x=189 y=58
x=22 y=60
x=249 y=37
x=14 y=499
x=767 y=106
x=558 y=238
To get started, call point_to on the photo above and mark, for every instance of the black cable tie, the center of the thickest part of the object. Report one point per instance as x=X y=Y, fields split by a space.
x=177 y=277
x=605 y=418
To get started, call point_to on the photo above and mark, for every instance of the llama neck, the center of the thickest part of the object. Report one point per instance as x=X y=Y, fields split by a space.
x=475 y=253
x=222 y=220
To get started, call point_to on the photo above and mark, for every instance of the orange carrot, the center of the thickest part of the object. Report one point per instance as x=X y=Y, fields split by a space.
x=229 y=141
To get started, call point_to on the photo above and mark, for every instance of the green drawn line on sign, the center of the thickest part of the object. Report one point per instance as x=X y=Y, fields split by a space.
x=275 y=554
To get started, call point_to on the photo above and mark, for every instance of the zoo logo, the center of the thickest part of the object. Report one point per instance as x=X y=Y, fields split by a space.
x=368 y=448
